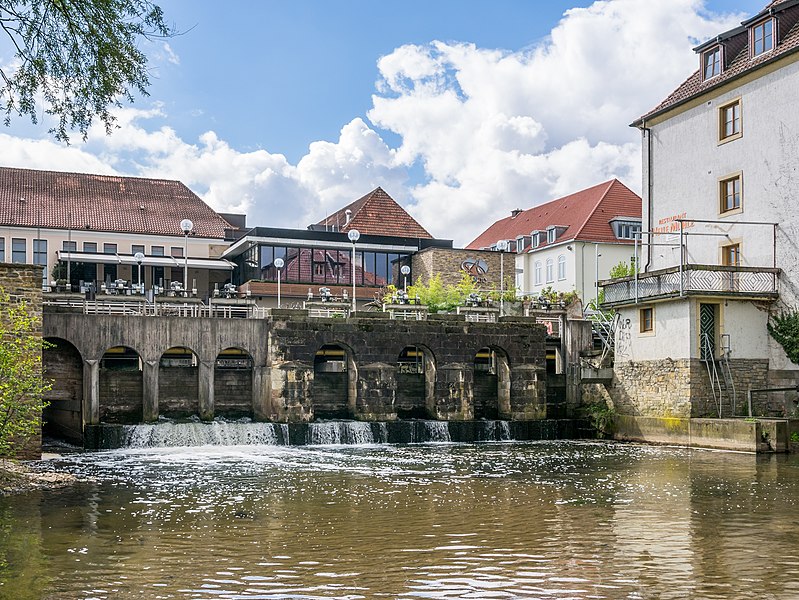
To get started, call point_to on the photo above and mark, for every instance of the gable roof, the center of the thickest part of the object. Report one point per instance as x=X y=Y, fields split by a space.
x=57 y=200
x=586 y=215
x=376 y=213
x=736 y=41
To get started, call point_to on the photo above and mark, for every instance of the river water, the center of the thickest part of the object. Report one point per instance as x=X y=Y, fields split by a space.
x=552 y=520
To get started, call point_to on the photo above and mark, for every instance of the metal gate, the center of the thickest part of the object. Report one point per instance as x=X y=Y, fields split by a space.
x=707 y=331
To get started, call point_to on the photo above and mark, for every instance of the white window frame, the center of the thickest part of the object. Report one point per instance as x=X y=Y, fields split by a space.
x=550 y=270
x=561 y=267
x=537 y=272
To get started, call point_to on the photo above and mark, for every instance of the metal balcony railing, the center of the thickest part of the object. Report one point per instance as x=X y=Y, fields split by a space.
x=692 y=280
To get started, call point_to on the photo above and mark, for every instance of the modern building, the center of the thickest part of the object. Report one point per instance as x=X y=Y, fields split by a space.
x=721 y=173
x=569 y=243
x=375 y=230
x=88 y=229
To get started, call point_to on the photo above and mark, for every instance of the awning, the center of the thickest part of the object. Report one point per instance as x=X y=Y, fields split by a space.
x=149 y=261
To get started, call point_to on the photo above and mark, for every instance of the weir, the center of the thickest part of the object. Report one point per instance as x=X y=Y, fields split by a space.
x=220 y=433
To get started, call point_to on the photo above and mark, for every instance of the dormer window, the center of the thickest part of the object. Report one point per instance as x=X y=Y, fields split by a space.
x=552 y=235
x=536 y=239
x=711 y=63
x=626 y=228
x=763 y=37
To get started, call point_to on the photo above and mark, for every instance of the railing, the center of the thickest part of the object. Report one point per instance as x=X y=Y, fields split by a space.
x=334 y=313
x=552 y=324
x=158 y=309
x=757 y=282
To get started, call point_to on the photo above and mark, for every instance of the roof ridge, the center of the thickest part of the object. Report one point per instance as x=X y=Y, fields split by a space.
x=103 y=175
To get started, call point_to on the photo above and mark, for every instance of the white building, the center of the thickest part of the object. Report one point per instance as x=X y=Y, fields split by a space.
x=569 y=243
x=721 y=173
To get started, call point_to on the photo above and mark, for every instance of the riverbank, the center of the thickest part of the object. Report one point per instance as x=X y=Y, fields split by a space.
x=18 y=478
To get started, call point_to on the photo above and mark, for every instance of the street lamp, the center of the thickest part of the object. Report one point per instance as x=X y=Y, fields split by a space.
x=139 y=258
x=278 y=265
x=353 y=235
x=405 y=270
x=502 y=246
x=186 y=225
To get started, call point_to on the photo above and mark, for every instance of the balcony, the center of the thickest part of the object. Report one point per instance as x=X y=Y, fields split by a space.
x=755 y=283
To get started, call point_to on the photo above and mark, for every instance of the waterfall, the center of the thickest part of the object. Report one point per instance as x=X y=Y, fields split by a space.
x=436 y=431
x=218 y=433
x=340 y=432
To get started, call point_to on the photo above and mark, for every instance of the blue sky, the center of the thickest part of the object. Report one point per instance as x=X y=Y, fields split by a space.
x=461 y=110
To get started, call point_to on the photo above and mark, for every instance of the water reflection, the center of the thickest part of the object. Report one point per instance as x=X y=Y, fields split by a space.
x=540 y=520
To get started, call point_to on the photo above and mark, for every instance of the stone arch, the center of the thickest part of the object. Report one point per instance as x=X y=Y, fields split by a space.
x=233 y=372
x=491 y=384
x=416 y=381
x=121 y=386
x=63 y=418
x=334 y=389
x=178 y=383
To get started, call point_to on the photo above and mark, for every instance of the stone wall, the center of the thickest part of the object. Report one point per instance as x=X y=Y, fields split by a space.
x=449 y=263
x=679 y=388
x=24 y=283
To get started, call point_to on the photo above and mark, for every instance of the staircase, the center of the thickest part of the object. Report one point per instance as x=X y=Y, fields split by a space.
x=604 y=328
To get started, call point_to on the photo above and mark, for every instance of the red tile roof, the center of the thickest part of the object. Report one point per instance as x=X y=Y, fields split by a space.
x=585 y=214
x=376 y=213
x=737 y=65
x=103 y=203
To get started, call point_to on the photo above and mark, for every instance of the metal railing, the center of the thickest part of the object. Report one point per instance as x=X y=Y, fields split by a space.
x=158 y=309
x=759 y=282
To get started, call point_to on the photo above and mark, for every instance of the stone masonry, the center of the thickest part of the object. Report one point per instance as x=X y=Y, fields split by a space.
x=24 y=283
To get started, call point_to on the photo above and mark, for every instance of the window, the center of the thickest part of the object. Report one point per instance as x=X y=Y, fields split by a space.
x=536 y=241
x=67 y=246
x=730 y=194
x=731 y=255
x=109 y=248
x=552 y=235
x=628 y=231
x=561 y=267
x=19 y=253
x=2 y=249
x=646 y=320
x=157 y=250
x=40 y=252
x=537 y=272
x=137 y=248
x=176 y=251
x=730 y=121
x=90 y=246
x=550 y=270
x=763 y=37
x=711 y=63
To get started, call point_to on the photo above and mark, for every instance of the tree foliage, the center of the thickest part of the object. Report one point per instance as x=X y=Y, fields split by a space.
x=77 y=57
x=622 y=269
x=784 y=328
x=22 y=386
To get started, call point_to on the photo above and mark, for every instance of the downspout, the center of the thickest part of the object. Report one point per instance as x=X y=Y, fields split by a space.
x=647 y=132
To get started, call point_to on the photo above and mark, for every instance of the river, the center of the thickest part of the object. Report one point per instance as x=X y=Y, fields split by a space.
x=551 y=520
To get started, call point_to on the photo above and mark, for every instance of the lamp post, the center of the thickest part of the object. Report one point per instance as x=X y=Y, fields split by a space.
x=405 y=270
x=353 y=235
x=278 y=265
x=139 y=258
x=186 y=225
x=502 y=246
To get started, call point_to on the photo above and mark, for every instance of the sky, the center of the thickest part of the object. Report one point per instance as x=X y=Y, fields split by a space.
x=461 y=110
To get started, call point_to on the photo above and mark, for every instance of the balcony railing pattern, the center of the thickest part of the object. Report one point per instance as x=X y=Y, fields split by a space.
x=694 y=279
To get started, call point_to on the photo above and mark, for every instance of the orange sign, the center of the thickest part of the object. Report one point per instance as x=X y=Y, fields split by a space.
x=672 y=224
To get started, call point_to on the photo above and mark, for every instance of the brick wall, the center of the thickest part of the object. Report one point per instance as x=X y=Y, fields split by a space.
x=24 y=282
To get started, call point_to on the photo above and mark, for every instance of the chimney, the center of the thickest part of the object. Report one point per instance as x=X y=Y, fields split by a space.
x=515 y=213
x=348 y=215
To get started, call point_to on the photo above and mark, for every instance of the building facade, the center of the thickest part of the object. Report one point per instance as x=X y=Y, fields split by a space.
x=721 y=170
x=568 y=244
x=86 y=230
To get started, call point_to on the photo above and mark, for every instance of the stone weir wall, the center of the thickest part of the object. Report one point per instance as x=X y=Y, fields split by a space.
x=122 y=369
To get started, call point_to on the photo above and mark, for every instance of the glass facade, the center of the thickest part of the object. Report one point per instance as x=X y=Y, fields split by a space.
x=322 y=266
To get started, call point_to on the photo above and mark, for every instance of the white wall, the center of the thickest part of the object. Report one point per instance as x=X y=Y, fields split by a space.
x=672 y=337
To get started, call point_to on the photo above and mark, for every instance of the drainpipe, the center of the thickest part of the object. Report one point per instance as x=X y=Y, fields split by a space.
x=647 y=133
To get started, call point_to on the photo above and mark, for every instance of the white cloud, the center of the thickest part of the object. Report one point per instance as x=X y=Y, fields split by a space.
x=498 y=130
x=492 y=130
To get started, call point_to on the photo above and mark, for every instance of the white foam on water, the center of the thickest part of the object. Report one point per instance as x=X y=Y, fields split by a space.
x=218 y=433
